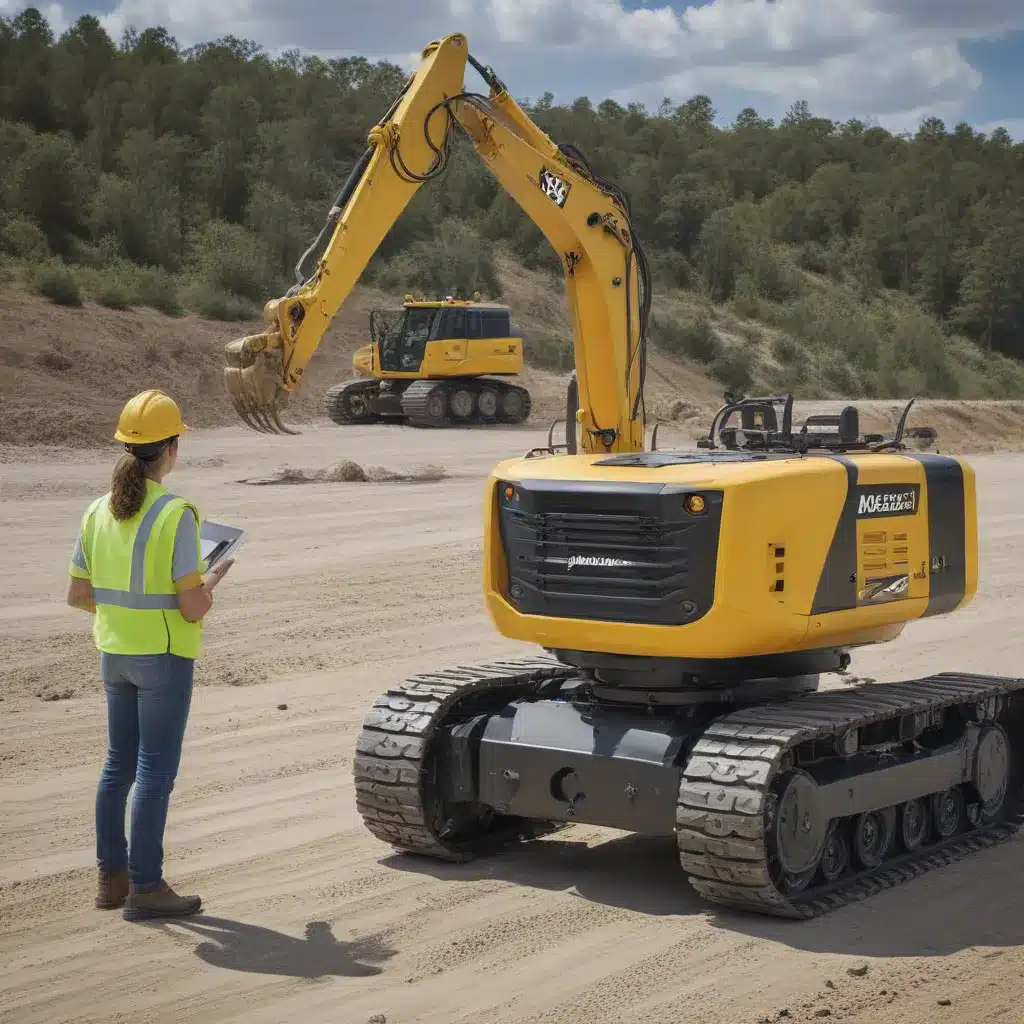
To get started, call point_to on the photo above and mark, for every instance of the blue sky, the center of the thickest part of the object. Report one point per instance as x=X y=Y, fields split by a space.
x=892 y=61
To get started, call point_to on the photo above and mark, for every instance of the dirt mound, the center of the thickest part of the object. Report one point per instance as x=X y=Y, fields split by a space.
x=346 y=471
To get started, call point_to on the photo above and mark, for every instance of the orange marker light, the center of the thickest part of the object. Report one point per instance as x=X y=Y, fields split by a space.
x=695 y=504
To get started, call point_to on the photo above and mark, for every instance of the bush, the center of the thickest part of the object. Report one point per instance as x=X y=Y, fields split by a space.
x=231 y=259
x=457 y=262
x=734 y=367
x=695 y=339
x=20 y=237
x=218 y=304
x=771 y=272
x=814 y=256
x=114 y=295
x=156 y=288
x=55 y=281
x=671 y=268
x=746 y=300
x=549 y=351
x=786 y=350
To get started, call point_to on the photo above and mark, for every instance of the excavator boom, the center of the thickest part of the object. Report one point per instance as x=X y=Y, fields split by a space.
x=586 y=220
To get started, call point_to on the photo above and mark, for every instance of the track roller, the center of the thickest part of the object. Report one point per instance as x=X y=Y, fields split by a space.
x=467 y=401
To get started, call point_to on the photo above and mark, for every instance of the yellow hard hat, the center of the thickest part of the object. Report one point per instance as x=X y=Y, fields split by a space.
x=149 y=417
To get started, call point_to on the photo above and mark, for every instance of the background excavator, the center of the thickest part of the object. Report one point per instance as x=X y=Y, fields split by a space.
x=435 y=364
x=686 y=602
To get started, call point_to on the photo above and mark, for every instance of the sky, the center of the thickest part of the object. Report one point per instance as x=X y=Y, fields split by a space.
x=892 y=62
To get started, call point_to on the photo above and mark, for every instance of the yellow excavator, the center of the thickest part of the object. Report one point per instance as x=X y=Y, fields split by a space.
x=684 y=603
x=435 y=364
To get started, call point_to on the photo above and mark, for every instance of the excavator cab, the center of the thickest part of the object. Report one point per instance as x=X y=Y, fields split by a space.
x=399 y=341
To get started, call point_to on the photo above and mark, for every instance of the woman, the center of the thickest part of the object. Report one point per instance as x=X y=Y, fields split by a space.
x=136 y=566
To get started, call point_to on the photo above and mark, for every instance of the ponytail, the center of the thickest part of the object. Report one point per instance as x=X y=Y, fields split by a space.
x=127 y=487
x=128 y=483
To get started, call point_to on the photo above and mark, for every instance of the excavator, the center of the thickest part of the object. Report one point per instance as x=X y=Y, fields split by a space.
x=683 y=605
x=435 y=364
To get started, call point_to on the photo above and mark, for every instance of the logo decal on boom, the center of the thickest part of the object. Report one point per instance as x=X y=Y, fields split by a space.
x=555 y=188
x=890 y=500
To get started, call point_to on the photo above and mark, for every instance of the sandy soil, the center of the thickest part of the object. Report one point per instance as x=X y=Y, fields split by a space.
x=342 y=588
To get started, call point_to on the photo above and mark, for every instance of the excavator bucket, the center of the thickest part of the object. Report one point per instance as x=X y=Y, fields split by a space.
x=253 y=377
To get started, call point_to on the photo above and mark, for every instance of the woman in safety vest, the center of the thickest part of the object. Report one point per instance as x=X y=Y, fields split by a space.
x=136 y=566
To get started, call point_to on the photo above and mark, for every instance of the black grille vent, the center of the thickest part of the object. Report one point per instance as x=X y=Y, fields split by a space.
x=619 y=552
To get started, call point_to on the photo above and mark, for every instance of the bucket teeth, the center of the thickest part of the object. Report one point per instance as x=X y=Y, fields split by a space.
x=253 y=380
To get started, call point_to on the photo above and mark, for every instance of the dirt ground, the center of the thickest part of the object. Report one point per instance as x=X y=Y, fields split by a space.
x=341 y=589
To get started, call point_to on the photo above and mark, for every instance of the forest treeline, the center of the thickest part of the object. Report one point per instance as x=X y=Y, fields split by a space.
x=142 y=172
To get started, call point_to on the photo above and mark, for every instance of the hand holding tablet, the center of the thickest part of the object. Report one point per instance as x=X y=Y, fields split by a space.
x=218 y=542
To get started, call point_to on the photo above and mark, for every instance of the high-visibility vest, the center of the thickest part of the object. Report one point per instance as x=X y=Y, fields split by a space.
x=130 y=570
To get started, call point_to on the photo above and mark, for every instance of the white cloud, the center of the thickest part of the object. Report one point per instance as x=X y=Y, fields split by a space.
x=891 y=59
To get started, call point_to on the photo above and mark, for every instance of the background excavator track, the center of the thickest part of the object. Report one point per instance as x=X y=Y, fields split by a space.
x=351 y=402
x=471 y=401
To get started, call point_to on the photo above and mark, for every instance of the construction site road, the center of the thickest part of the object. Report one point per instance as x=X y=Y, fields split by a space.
x=341 y=589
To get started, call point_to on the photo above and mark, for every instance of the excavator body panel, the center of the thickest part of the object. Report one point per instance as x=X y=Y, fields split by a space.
x=726 y=555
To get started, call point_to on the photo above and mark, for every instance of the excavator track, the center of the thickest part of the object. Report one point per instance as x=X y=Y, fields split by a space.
x=733 y=795
x=396 y=774
x=465 y=402
x=351 y=401
x=740 y=842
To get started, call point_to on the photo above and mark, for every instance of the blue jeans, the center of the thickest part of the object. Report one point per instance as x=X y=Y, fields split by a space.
x=148 y=698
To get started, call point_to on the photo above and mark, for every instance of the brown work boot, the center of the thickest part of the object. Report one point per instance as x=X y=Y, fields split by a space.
x=112 y=890
x=162 y=902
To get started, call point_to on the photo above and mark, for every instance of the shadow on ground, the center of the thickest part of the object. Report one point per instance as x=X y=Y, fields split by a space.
x=236 y=946
x=976 y=902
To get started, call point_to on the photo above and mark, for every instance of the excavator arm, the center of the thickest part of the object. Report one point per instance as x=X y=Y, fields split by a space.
x=585 y=218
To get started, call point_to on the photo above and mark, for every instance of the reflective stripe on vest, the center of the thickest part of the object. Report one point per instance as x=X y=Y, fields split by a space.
x=131 y=566
x=136 y=596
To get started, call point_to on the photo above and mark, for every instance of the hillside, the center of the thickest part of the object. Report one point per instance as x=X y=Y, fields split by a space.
x=68 y=370
x=836 y=258
x=65 y=372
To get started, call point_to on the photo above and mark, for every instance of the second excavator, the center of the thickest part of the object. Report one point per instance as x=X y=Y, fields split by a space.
x=684 y=604
x=435 y=364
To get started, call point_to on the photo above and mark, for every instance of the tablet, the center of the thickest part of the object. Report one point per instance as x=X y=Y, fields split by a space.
x=217 y=541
